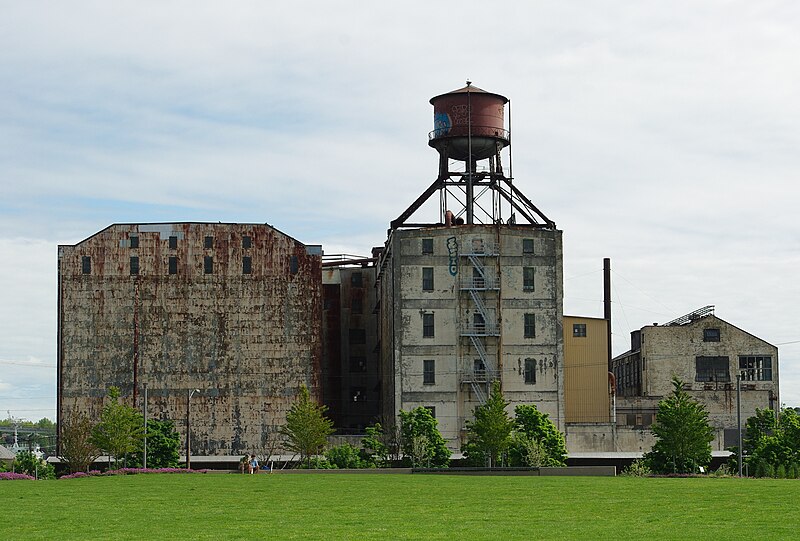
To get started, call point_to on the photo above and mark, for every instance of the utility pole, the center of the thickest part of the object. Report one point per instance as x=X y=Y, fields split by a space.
x=188 y=427
x=739 y=416
x=144 y=459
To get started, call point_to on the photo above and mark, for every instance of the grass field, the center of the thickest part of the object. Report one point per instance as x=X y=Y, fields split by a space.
x=361 y=506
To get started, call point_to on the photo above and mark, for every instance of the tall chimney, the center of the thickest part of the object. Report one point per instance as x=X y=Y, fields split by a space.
x=607 y=301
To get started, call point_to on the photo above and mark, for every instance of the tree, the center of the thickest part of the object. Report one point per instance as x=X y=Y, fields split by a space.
x=163 y=446
x=121 y=428
x=377 y=445
x=538 y=438
x=489 y=435
x=773 y=442
x=683 y=435
x=421 y=440
x=78 y=450
x=307 y=429
x=28 y=463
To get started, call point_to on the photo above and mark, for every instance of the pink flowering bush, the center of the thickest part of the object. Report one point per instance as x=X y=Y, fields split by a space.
x=130 y=471
x=8 y=476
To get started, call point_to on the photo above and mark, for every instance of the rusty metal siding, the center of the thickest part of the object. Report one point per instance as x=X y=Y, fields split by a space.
x=246 y=340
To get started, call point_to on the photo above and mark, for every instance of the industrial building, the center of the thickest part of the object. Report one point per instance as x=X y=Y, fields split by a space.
x=162 y=310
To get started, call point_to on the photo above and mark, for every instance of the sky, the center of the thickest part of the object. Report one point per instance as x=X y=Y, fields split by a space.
x=663 y=135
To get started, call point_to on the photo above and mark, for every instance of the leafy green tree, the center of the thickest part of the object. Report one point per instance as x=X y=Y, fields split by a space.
x=535 y=427
x=307 y=428
x=163 y=446
x=78 y=450
x=377 y=446
x=683 y=435
x=28 y=463
x=489 y=435
x=773 y=442
x=121 y=428
x=421 y=440
x=347 y=456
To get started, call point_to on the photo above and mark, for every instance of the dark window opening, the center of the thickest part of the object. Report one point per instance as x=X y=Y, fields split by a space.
x=358 y=364
x=530 y=370
x=358 y=336
x=712 y=369
x=356 y=305
x=134 y=265
x=357 y=279
x=756 y=368
x=134 y=242
x=427 y=278
x=530 y=325
x=527 y=246
x=579 y=330
x=247 y=265
x=478 y=280
x=173 y=265
x=247 y=241
x=294 y=264
x=173 y=242
x=209 y=242
x=427 y=325
x=208 y=264
x=427 y=246
x=431 y=409
x=86 y=264
x=710 y=335
x=528 y=278
x=479 y=370
x=428 y=372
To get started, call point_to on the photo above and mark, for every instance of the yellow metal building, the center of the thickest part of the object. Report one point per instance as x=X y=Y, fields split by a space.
x=586 y=387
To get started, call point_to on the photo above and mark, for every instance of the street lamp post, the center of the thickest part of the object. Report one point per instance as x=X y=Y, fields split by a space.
x=188 y=430
x=739 y=416
x=144 y=456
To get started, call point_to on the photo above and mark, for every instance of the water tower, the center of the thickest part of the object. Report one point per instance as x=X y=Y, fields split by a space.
x=470 y=135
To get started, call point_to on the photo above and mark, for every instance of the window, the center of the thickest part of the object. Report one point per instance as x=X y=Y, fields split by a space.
x=358 y=336
x=431 y=409
x=247 y=241
x=528 y=278
x=755 y=368
x=134 y=242
x=209 y=242
x=579 y=330
x=427 y=246
x=428 y=372
x=247 y=265
x=530 y=370
x=527 y=246
x=86 y=264
x=173 y=242
x=356 y=305
x=358 y=364
x=208 y=264
x=479 y=370
x=427 y=278
x=478 y=322
x=530 y=325
x=427 y=325
x=710 y=335
x=712 y=369
x=173 y=265
x=293 y=264
x=357 y=279
x=134 y=265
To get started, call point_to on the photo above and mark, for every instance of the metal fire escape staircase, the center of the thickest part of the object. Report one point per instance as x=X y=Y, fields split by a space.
x=480 y=328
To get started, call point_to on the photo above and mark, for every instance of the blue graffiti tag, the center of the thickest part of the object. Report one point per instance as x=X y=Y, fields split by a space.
x=452 y=249
x=441 y=124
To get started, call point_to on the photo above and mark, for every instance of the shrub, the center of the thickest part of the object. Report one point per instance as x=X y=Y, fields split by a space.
x=346 y=456
x=28 y=463
x=316 y=463
x=10 y=476
x=780 y=471
x=638 y=468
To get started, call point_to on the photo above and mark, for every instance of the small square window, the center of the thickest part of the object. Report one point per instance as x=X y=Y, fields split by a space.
x=173 y=242
x=247 y=241
x=579 y=330
x=530 y=325
x=528 y=278
x=710 y=335
x=358 y=364
x=530 y=371
x=427 y=278
x=428 y=372
x=134 y=242
x=357 y=279
x=209 y=242
x=527 y=246
x=173 y=265
x=427 y=246
x=86 y=264
x=358 y=336
x=427 y=325
x=247 y=265
x=134 y=265
x=208 y=264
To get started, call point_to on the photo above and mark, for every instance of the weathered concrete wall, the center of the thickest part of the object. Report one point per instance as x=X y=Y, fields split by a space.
x=247 y=341
x=406 y=301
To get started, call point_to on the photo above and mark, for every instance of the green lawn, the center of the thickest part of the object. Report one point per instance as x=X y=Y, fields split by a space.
x=319 y=506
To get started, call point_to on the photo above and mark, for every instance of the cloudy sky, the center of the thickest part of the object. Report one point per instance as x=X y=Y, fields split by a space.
x=664 y=135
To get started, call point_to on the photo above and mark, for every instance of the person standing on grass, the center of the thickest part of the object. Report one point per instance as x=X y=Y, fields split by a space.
x=253 y=464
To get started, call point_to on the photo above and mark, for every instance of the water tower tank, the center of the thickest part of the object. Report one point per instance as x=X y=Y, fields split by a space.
x=454 y=112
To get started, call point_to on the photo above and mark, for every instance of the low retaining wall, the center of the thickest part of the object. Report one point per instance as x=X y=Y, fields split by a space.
x=587 y=471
